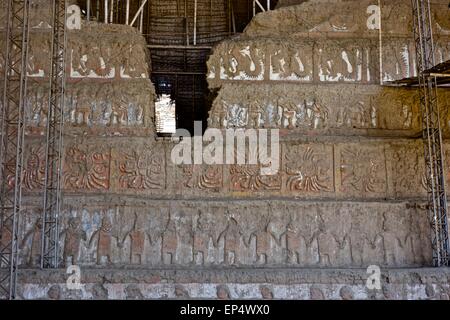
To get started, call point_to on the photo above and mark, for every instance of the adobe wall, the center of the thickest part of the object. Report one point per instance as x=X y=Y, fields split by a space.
x=349 y=192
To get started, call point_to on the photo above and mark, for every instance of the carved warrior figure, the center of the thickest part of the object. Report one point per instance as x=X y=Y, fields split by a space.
x=218 y=115
x=74 y=234
x=134 y=64
x=137 y=245
x=327 y=245
x=301 y=240
x=38 y=63
x=357 y=115
x=104 y=241
x=34 y=236
x=232 y=241
x=255 y=114
x=37 y=107
x=90 y=61
x=263 y=239
x=204 y=233
x=169 y=243
x=397 y=239
x=366 y=242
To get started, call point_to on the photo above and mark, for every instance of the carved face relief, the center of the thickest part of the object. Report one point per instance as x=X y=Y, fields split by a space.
x=86 y=169
x=363 y=170
x=309 y=169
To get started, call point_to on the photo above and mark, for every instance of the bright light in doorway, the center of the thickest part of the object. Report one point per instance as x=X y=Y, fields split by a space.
x=165 y=114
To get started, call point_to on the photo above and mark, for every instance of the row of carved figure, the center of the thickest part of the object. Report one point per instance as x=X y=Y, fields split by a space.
x=315 y=107
x=352 y=18
x=90 y=56
x=328 y=235
x=321 y=170
x=319 y=107
x=315 y=61
x=94 y=105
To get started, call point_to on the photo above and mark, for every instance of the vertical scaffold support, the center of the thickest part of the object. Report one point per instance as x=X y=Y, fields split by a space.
x=432 y=134
x=12 y=140
x=54 y=140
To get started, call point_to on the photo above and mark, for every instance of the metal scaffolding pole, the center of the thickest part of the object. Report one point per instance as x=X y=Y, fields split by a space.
x=432 y=134
x=12 y=140
x=54 y=140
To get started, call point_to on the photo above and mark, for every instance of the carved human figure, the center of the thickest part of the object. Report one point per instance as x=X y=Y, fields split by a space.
x=137 y=239
x=33 y=235
x=104 y=241
x=301 y=240
x=218 y=113
x=232 y=238
x=263 y=239
x=327 y=244
x=317 y=113
x=255 y=113
x=74 y=234
x=421 y=241
x=365 y=238
x=39 y=107
x=202 y=236
x=169 y=243
x=82 y=112
x=288 y=114
x=397 y=239
x=134 y=62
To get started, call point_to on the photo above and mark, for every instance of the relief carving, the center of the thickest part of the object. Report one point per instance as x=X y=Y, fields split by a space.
x=104 y=238
x=409 y=170
x=363 y=170
x=312 y=172
x=242 y=62
x=34 y=171
x=249 y=178
x=87 y=168
x=73 y=236
x=141 y=170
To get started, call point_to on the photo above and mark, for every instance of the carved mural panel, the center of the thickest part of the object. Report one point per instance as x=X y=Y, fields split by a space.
x=362 y=170
x=140 y=168
x=218 y=233
x=341 y=107
x=87 y=167
x=309 y=169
